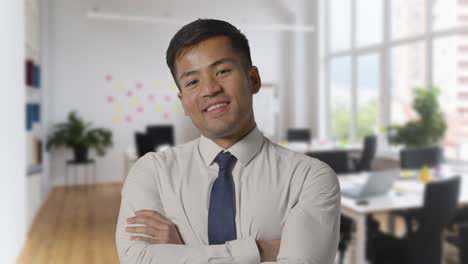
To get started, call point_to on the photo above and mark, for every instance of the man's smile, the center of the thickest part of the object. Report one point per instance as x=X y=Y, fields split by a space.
x=216 y=108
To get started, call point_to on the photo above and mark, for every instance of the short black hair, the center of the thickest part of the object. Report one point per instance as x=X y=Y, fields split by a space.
x=203 y=29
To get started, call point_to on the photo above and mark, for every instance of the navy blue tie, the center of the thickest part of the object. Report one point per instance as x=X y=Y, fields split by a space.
x=221 y=214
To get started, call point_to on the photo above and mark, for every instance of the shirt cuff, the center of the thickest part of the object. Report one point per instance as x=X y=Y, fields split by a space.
x=244 y=251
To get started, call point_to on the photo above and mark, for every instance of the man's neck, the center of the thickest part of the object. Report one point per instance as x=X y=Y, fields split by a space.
x=227 y=142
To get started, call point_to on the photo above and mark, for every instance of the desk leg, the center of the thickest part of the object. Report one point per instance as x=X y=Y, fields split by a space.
x=360 y=239
x=360 y=236
x=391 y=223
x=94 y=174
x=75 y=175
x=88 y=176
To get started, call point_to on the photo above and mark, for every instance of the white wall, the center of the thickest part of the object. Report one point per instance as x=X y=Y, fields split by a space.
x=12 y=130
x=299 y=96
x=86 y=50
x=305 y=94
x=47 y=98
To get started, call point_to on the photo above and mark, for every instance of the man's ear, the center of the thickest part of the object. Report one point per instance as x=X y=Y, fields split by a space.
x=255 y=80
x=179 y=95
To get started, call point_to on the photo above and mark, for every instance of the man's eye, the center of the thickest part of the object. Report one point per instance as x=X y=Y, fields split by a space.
x=191 y=83
x=223 y=72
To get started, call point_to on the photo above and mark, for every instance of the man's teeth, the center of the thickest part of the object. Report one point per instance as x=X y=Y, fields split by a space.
x=213 y=107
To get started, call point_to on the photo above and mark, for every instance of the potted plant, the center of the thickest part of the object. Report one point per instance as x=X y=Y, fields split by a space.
x=426 y=131
x=80 y=137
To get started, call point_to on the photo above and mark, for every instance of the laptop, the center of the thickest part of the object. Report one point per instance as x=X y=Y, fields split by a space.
x=377 y=183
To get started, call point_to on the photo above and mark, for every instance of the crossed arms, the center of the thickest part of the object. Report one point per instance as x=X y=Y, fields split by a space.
x=145 y=235
x=154 y=228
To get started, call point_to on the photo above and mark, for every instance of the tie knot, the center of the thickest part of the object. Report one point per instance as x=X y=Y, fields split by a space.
x=225 y=160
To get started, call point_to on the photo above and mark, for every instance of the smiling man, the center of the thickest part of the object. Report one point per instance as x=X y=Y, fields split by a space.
x=230 y=196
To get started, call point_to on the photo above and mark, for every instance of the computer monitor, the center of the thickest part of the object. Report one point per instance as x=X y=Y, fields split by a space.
x=161 y=135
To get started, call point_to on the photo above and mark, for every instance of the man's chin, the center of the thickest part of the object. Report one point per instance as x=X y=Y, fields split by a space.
x=220 y=131
x=213 y=134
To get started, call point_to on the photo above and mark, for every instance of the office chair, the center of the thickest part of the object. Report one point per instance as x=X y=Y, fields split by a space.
x=422 y=243
x=161 y=134
x=415 y=158
x=298 y=135
x=462 y=243
x=144 y=143
x=337 y=159
x=346 y=228
x=459 y=238
x=457 y=234
x=345 y=237
x=367 y=155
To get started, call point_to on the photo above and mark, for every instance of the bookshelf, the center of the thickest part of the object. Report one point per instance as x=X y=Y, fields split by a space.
x=34 y=146
x=33 y=125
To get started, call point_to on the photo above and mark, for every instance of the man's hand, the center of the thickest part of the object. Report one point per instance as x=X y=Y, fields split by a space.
x=268 y=249
x=157 y=228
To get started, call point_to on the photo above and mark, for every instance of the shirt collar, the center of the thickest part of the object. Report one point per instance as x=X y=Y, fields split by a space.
x=244 y=150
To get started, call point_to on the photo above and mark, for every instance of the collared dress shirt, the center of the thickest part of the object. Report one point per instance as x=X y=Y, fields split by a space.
x=279 y=194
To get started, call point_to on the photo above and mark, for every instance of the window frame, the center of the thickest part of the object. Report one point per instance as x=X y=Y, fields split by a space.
x=383 y=50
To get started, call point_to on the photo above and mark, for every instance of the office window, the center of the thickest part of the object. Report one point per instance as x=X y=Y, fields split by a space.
x=449 y=14
x=408 y=18
x=407 y=71
x=368 y=83
x=450 y=73
x=340 y=24
x=340 y=99
x=369 y=22
x=392 y=48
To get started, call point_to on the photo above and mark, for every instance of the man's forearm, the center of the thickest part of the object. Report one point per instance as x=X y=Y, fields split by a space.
x=236 y=251
x=268 y=249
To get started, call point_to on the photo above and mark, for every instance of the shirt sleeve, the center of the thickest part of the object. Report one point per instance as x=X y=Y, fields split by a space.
x=311 y=230
x=141 y=191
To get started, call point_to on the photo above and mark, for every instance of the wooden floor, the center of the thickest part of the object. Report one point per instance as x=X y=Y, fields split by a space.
x=75 y=225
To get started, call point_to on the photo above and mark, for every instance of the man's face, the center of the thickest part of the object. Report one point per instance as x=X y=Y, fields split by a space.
x=216 y=91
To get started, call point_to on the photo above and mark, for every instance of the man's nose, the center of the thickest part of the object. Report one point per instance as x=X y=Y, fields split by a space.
x=211 y=87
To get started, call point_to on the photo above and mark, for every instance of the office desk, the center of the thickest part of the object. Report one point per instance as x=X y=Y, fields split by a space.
x=130 y=157
x=406 y=194
x=304 y=147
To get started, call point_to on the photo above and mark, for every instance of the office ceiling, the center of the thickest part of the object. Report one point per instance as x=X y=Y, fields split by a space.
x=274 y=15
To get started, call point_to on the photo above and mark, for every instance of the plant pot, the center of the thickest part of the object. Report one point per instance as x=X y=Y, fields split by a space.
x=80 y=153
x=417 y=157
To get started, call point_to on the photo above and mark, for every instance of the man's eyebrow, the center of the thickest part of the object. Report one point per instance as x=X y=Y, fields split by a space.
x=223 y=60
x=214 y=64
x=185 y=74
